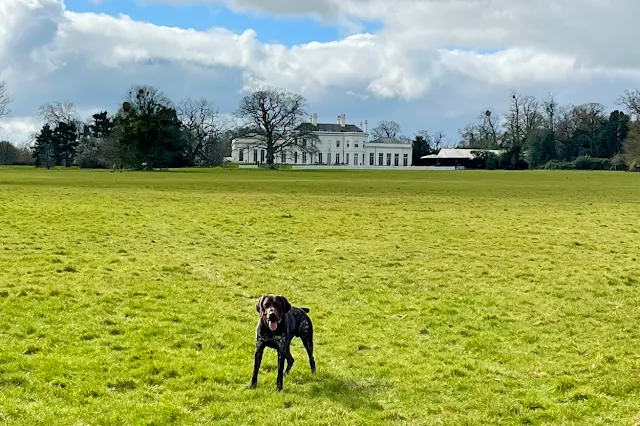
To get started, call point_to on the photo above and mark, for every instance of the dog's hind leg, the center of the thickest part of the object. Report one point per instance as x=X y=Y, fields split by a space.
x=306 y=336
x=290 y=362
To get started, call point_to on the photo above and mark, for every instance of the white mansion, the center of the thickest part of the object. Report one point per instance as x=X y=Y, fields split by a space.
x=339 y=144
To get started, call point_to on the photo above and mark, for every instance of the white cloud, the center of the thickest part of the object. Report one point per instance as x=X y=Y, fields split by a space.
x=429 y=55
x=18 y=129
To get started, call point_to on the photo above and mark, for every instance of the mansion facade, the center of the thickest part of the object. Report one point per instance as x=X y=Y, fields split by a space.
x=338 y=144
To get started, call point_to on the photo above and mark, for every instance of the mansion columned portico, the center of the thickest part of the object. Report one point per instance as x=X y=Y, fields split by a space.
x=337 y=144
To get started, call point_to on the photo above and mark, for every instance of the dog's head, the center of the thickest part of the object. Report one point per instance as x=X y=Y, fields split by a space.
x=272 y=309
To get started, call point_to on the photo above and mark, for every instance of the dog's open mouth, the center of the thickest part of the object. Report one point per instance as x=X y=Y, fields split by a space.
x=273 y=325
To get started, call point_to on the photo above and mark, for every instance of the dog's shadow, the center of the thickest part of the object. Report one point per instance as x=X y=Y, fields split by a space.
x=347 y=392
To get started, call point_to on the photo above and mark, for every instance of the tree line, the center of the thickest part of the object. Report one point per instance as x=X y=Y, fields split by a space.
x=149 y=131
x=542 y=134
x=146 y=131
x=537 y=133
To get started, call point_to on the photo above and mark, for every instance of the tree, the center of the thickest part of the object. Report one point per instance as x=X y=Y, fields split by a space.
x=524 y=117
x=9 y=154
x=386 y=129
x=541 y=147
x=150 y=129
x=632 y=147
x=488 y=131
x=203 y=130
x=614 y=131
x=274 y=118
x=470 y=136
x=483 y=134
x=631 y=101
x=65 y=142
x=43 y=147
x=425 y=143
x=94 y=140
x=101 y=125
x=5 y=99
x=59 y=112
x=541 y=142
x=550 y=114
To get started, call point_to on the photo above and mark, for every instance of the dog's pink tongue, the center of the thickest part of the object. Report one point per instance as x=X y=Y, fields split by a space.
x=273 y=325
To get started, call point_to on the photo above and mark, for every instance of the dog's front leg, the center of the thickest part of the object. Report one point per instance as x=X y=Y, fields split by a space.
x=256 y=364
x=282 y=356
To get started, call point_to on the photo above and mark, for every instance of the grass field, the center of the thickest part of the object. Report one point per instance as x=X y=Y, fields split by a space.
x=456 y=298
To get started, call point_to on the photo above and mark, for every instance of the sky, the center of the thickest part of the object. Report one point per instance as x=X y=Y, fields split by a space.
x=430 y=65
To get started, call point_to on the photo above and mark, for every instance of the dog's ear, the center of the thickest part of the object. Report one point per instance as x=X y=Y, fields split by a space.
x=284 y=304
x=259 y=305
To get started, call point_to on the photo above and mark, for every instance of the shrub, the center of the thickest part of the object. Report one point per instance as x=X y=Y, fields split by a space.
x=557 y=165
x=619 y=162
x=586 y=162
x=583 y=162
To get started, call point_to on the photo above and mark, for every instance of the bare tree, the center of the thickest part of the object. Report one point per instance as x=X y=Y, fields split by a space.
x=523 y=118
x=273 y=118
x=386 y=129
x=482 y=134
x=5 y=100
x=203 y=128
x=630 y=99
x=489 y=130
x=54 y=113
x=470 y=136
x=437 y=140
x=551 y=110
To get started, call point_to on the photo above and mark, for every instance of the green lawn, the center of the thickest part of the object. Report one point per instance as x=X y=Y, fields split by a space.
x=456 y=298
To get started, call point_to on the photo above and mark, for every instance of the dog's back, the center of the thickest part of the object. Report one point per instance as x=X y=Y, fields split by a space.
x=298 y=322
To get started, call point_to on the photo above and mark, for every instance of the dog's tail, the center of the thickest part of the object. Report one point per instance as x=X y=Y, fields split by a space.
x=305 y=309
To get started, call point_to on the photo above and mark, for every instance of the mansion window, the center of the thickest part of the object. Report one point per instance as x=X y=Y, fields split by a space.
x=255 y=155
x=347 y=158
x=396 y=160
x=380 y=159
x=388 y=158
x=241 y=158
x=283 y=157
x=304 y=158
x=319 y=157
x=337 y=144
x=371 y=159
x=295 y=157
x=405 y=160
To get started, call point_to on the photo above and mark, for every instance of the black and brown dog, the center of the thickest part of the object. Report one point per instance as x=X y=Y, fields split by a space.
x=279 y=323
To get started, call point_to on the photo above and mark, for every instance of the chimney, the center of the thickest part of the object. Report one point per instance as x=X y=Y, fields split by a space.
x=314 y=119
x=343 y=118
x=366 y=126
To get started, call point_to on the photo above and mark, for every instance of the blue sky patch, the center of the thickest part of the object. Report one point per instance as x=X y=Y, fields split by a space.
x=270 y=29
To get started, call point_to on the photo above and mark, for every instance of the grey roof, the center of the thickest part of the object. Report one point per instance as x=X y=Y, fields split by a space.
x=388 y=140
x=328 y=127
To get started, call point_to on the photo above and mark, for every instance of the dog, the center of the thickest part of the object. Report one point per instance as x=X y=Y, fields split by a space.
x=279 y=323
